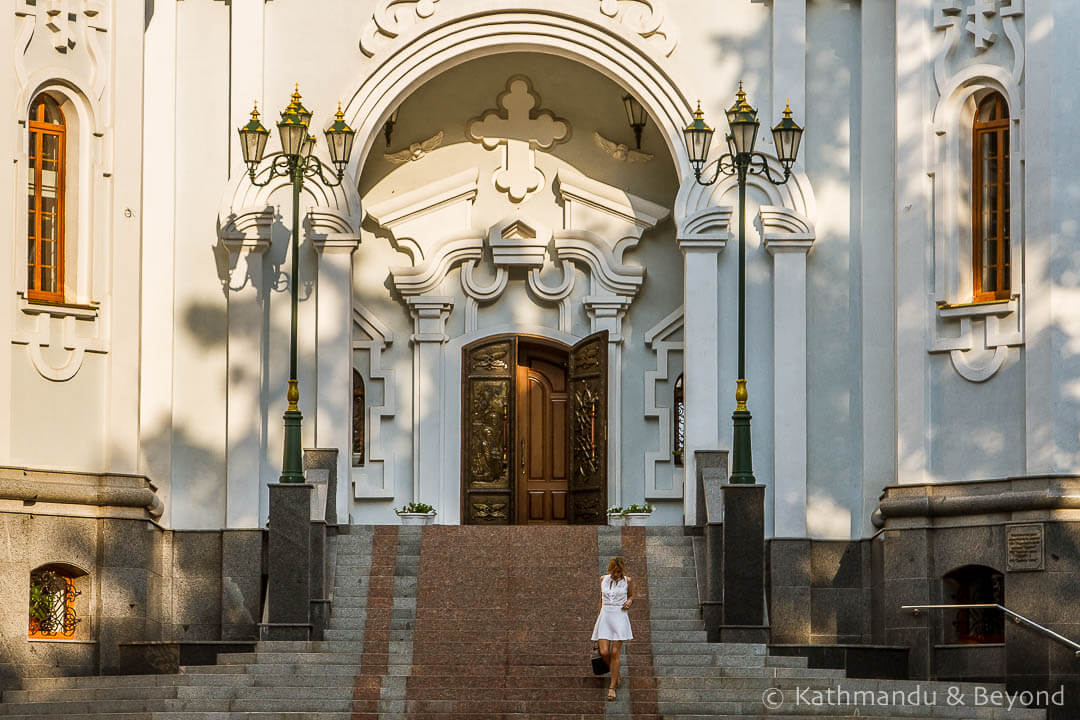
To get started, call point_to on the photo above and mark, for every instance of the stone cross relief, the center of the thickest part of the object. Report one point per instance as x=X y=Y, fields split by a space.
x=520 y=127
x=980 y=16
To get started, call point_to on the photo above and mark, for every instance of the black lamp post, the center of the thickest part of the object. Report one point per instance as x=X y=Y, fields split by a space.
x=741 y=161
x=295 y=162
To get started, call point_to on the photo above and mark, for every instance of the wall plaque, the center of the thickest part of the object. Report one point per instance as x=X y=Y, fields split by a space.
x=1024 y=547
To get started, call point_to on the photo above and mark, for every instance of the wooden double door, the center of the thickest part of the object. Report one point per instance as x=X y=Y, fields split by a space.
x=534 y=431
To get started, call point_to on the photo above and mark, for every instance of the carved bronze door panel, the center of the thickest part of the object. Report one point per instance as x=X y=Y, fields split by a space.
x=588 y=430
x=487 y=491
x=540 y=418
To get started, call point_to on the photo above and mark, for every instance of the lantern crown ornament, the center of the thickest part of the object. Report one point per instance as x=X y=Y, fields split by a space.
x=298 y=107
x=253 y=137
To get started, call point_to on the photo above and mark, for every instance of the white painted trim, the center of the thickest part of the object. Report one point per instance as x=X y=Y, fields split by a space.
x=363 y=481
x=656 y=338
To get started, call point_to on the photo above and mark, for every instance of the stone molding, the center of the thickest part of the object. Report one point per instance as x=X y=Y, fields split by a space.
x=99 y=490
x=646 y=18
x=1034 y=494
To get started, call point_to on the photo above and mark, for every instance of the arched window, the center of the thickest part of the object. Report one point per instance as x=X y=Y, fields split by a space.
x=975 y=585
x=990 y=184
x=52 y=603
x=358 y=409
x=679 y=441
x=45 y=201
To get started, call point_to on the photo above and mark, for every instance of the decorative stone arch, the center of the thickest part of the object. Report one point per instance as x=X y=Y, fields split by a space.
x=424 y=51
x=80 y=330
x=695 y=200
x=976 y=337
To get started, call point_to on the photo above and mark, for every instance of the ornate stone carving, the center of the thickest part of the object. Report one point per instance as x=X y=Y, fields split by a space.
x=976 y=21
x=370 y=335
x=619 y=151
x=519 y=127
x=391 y=18
x=416 y=150
x=644 y=17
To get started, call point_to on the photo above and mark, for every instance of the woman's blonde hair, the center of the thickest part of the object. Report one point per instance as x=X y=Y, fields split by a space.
x=616 y=568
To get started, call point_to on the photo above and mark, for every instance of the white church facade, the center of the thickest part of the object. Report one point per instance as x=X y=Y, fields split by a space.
x=518 y=307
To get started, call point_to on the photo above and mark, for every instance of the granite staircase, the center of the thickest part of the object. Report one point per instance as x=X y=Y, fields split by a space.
x=479 y=623
x=698 y=680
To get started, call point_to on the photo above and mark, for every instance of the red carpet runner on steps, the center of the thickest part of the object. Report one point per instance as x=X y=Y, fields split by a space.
x=503 y=619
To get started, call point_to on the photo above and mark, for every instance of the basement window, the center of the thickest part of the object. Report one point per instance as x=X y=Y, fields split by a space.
x=974 y=585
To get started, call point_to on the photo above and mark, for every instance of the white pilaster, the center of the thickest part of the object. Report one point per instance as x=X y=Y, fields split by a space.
x=789 y=385
x=123 y=448
x=913 y=197
x=333 y=352
x=429 y=333
x=246 y=68
x=158 y=250
x=789 y=58
x=701 y=358
x=247 y=318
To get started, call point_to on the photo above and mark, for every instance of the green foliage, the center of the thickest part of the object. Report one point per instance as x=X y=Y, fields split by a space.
x=635 y=508
x=614 y=510
x=416 y=507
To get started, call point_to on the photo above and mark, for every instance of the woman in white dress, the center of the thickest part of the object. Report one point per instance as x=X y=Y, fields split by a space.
x=613 y=623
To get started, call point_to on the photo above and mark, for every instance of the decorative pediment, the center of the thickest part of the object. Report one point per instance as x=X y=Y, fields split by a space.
x=611 y=213
x=421 y=218
x=519 y=241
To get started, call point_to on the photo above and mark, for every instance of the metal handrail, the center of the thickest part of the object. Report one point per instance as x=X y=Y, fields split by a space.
x=1017 y=618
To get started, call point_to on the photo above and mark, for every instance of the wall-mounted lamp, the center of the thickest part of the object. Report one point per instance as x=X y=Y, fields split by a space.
x=388 y=128
x=636 y=116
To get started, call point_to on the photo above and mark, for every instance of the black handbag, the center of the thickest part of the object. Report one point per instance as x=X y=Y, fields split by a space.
x=599 y=667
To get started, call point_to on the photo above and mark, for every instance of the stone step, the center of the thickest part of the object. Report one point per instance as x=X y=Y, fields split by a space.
x=289 y=658
x=674 y=625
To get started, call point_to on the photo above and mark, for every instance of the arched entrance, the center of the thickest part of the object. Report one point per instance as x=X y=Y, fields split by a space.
x=534 y=431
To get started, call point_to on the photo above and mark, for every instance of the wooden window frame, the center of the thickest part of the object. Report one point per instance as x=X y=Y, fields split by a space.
x=1000 y=128
x=38 y=129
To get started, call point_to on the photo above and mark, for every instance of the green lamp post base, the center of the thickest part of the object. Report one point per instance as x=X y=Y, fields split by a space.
x=292 y=465
x=742 y=466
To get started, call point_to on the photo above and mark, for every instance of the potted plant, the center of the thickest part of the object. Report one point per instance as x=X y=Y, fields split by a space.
x=416 y=513
x=637 y=514
x=615 y=516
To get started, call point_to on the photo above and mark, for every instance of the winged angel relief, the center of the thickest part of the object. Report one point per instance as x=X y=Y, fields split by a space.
x=620 y=151
x=416 y=150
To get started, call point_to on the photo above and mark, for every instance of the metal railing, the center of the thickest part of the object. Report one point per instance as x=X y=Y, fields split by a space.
x=1016 y=617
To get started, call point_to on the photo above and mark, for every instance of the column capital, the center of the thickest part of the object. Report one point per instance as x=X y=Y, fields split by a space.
x=336 y=243
x=606 y=313
x=713 y=246
x=429 y=317
x=784 y=245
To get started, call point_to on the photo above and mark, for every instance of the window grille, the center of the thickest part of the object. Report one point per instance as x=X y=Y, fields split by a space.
x=679 y=441
x=52 y=605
